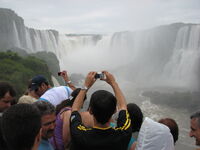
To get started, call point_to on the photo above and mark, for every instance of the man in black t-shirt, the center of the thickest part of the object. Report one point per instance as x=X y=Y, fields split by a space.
x=102 y=107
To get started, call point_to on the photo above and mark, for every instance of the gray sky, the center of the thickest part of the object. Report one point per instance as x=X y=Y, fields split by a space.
x=103 y=16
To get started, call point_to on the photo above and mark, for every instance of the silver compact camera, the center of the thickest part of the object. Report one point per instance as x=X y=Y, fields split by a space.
x=99 y=75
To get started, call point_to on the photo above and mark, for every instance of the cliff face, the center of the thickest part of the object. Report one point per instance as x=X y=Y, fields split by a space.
x=13 y=33
x=8 y=23
x=15 y=36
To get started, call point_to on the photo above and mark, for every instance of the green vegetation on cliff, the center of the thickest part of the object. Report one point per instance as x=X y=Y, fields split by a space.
x=51 y=61
x=18 y=70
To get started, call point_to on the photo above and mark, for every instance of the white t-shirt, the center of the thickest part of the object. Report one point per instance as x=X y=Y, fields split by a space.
x=56 y=95
x=154 y=136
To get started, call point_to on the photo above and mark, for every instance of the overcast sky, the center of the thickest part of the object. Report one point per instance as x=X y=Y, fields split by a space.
x=103 y=16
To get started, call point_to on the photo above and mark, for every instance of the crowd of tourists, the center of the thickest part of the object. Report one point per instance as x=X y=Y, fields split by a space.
x=51 y=118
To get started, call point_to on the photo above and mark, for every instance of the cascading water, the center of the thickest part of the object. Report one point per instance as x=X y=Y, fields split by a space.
x=183 y=67
x=15 y=37
x=166 y=55
x=153 y=58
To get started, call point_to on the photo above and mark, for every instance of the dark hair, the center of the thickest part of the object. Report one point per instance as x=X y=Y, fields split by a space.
x=44 y=107
x=196 y=115
x=172 y=125
x=21 y=123
x=68 y=102
x=6 y=87
x=136 y=116
x=102 y=105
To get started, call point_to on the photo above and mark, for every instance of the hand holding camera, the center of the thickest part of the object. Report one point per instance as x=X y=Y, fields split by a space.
x=109 y=78
x=99 y=75
x=64 y=75
x=59 y=73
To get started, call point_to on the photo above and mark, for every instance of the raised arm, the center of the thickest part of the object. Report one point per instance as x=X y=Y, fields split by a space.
x=89 y=81
x=121 y=101
x=64 y=75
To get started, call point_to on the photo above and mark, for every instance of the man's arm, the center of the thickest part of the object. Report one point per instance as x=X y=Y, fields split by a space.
x=121 y=101
x=67 y=80
x=89 y=81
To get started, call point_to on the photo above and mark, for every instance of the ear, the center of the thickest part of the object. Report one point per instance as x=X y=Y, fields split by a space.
x=39 y=136
x=37 y=140
x=90 y=111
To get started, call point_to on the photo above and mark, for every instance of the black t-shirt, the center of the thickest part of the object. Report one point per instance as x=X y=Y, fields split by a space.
x=84 y=138
x=2 y=141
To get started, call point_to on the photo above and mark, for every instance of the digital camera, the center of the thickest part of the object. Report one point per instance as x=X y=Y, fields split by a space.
x=99 y=75
x=59 y=73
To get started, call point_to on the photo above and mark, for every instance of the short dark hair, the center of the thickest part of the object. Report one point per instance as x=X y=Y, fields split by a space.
x=136 y=116
x=103 y=105
x=21 y=123
x=68 y=102
x=172 y=125
x=6 y=87
x=44 y=107
x=196 y=115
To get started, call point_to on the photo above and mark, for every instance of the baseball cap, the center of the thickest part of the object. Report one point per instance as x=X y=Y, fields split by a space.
x=37 y=81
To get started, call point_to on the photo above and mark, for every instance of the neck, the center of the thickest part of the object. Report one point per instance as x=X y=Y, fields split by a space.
x=97 y=124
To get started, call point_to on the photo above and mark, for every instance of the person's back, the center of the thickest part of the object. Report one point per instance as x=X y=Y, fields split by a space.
x=56 y=95
x=102 y=106
x=154 y=136
x=172 y=125
x=103 y=138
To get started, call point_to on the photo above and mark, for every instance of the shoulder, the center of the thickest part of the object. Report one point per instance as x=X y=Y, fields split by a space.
x=27 y=99
x=45 y=145
x=123 y=121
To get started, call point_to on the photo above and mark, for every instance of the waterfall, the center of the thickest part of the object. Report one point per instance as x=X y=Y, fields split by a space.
x=167 y=55
x=183 y=67
x=159 y=57
x=155 y=57
x=16 y=36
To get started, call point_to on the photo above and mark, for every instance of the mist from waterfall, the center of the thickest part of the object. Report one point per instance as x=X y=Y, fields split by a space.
x=164 y=56
x=148 y=58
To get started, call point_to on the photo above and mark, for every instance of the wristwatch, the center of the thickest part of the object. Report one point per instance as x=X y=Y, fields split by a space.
x=84 y=88
x=68 y=82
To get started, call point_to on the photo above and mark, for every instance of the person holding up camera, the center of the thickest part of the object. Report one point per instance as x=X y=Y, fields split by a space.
x=55 y=95
x=68 y=82
x=102 y=107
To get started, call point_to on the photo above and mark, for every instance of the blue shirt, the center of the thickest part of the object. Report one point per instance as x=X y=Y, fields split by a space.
x=45 y=145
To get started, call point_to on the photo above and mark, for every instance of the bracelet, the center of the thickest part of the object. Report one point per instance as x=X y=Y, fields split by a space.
x=68 y=82
x=84 y=88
